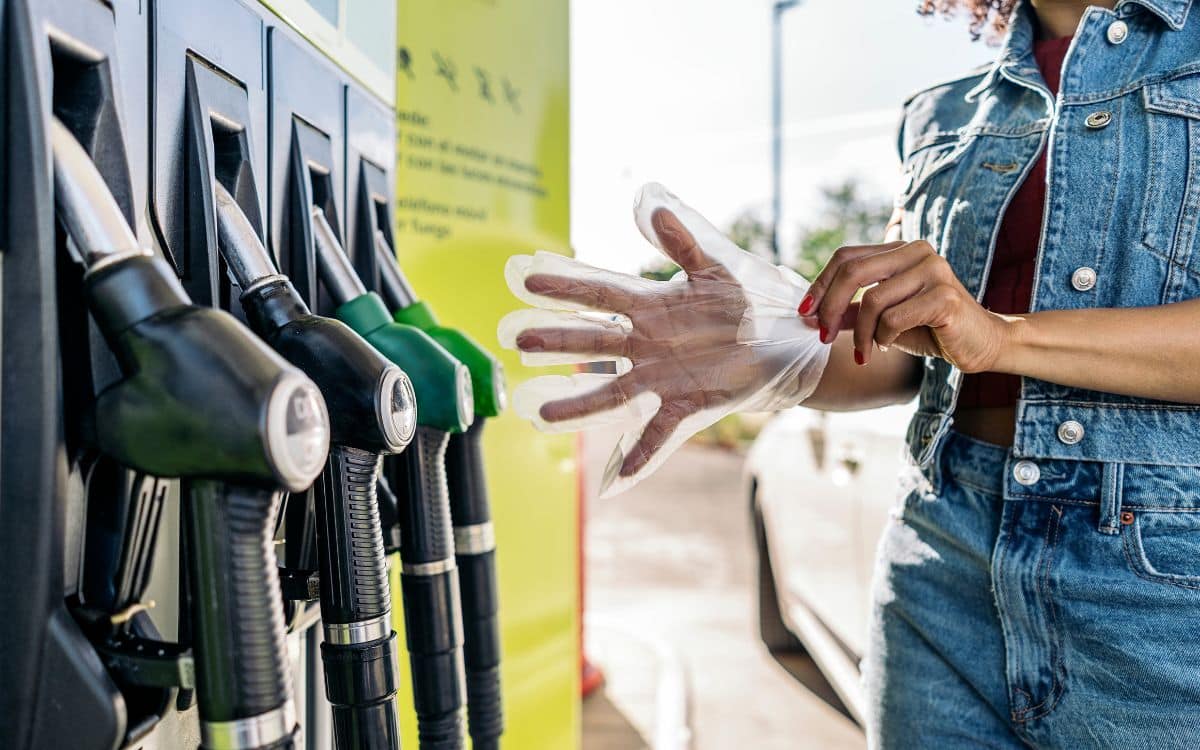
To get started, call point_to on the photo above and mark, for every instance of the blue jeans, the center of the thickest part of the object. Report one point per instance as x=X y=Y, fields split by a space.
x=1058 y=612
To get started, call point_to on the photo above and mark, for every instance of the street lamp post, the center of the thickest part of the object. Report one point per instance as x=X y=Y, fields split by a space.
x=777 y=10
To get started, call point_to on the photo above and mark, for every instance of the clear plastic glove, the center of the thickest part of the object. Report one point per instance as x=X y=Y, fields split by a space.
x=723 y=335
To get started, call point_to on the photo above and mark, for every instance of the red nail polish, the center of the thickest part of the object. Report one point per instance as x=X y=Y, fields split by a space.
x=822 y=333
x=806 y=304
x=859 y=359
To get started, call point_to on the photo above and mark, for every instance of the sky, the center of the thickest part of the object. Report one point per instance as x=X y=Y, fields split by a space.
x=677 y=92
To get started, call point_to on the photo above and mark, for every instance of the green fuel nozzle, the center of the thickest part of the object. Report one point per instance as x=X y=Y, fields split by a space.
x=470 y=507
x=429 y=574
x=200 y=398
x=445 y=396
x=372 y=410
x=487 y=374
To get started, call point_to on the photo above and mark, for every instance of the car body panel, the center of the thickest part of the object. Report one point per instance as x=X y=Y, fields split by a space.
x=825 y=483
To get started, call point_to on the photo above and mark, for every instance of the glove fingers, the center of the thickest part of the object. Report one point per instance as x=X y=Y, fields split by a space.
x=655 y=435
x=772 y=290
x=558 y=337
x=653 y=197
x=581 y=401
x=556 y=282
x=635 y=456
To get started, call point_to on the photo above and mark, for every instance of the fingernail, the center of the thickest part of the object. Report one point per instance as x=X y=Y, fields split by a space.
x=530 y=343
x=806 y=304
x=859 y=359
x=822 y=333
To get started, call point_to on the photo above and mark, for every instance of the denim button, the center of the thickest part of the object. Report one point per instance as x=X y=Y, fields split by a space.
x=1083 y=279
x=1118 y=31
x=1070 y=432
x=1026 y=473
x=1098 y=119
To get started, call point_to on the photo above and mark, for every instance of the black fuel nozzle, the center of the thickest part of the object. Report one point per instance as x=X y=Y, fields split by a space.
x=372 y=412
x=204 y=400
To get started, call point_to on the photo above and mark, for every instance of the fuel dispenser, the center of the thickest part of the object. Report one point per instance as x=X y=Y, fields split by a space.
x=429 y=575
x=202 y=400
x=172 y=453
x=470 y=510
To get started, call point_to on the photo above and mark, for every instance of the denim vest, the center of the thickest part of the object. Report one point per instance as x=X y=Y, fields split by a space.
x=1121 y=215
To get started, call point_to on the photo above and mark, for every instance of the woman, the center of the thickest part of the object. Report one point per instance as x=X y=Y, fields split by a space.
x=1037 y=289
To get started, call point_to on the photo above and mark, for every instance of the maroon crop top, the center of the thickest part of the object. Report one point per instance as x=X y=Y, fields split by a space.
x=1010 y=280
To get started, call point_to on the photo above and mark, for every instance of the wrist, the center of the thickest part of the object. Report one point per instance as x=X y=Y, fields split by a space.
x=1015 y=338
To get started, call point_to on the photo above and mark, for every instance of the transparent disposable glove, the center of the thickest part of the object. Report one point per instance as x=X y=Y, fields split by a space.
x=723 y=335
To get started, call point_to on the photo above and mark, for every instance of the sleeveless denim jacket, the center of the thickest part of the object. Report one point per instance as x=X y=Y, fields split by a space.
x=1121 y=216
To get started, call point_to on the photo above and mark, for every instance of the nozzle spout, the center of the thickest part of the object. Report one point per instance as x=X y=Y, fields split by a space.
x=396 y=291
x=248 y=260
x=86 y=206
x=333 y=265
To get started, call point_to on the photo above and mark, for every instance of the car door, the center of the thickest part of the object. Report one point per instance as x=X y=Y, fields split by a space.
x=810 y=518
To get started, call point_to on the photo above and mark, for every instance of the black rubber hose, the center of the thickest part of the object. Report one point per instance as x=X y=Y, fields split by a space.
x=475 y=552
x=237 y=613
x=360 y=665
x=429 y=582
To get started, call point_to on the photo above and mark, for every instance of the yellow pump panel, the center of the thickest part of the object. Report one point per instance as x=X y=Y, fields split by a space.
x=482 y=99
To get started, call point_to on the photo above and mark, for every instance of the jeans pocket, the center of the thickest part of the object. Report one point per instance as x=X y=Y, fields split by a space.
x=1164 y=547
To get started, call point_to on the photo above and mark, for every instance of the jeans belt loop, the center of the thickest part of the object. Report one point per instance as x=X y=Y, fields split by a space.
x=1111 y=476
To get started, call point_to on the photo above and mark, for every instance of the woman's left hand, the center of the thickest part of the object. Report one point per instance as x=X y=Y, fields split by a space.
x=916 y=304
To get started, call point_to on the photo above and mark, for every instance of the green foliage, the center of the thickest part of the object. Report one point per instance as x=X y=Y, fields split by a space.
x=847 y=217
x=661 y=271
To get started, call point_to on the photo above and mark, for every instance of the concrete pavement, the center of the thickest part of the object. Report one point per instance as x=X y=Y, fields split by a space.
x=670 y=578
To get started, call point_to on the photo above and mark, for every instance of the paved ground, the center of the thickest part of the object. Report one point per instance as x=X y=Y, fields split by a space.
x=670 y=576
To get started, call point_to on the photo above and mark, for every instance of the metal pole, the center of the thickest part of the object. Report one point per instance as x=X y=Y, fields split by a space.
x=777 y=10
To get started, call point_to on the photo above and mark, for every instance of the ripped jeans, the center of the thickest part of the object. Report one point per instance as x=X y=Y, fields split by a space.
x=1052 y=604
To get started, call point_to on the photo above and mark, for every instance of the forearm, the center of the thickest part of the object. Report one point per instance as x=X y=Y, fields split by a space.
x=1148 y=352
x=891 y=377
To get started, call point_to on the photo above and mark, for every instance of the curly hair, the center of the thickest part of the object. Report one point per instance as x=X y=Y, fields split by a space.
x=986 y=15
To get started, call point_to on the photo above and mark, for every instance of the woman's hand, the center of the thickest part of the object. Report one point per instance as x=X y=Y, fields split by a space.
x=916 y=304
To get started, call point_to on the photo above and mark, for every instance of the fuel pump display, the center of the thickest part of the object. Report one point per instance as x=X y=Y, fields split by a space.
x=470 y=509
x=429 y=576
x=201 y=399
x=372 y=412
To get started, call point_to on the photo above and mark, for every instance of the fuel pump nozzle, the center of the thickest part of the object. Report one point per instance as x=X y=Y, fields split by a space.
x=372 y=412
x=470 y=508
x=203 y=400
x=429 y=575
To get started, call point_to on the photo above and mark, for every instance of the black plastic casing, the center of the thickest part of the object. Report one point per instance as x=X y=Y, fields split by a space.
x=176 y=355
x=346 y=369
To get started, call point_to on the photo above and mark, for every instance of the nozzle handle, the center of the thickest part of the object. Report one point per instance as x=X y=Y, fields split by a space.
x=426 y=537
x=393 y=286
x=242 y=681
x=354 y=584
x=429 y=582
x=333 y=265
x=86 y=207
x=359 y=651
x=249 y=263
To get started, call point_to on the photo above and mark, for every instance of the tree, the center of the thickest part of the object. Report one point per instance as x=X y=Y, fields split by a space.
x=847 y=217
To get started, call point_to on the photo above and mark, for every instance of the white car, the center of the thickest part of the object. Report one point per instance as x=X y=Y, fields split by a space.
x=820 y=487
